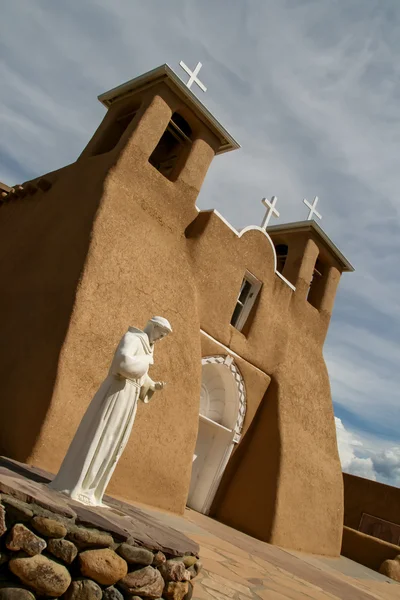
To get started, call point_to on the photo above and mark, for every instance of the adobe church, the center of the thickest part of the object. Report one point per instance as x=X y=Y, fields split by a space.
x=244 y=431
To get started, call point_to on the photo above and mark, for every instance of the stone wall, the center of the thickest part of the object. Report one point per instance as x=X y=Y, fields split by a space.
x=46 y=555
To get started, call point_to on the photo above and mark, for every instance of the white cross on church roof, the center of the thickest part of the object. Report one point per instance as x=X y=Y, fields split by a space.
x=271 y=211
x=193 y=75
x=313 y=210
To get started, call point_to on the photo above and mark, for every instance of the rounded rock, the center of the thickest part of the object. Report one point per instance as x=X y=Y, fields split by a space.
x=111 y=593
x=16 y=510
x=190 y=592
x=135 y=555
x=391 y=568
x=89 y=538
x=63 y=549
x=49 y=527
x=147 y=582
x=172 y=570
x=158 y=559
x=83 y=589
x=22 y=538
x=176 y=590
x=15 y=593
x=195 y=569
x=188 y=560
x=43 y=575
x=104 y=566
x=3 y=524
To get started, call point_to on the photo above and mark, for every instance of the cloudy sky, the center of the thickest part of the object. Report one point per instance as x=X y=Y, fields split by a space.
x=310 y=89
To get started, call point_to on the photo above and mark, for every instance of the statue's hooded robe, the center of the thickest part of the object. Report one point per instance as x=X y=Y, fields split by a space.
x=105 y=428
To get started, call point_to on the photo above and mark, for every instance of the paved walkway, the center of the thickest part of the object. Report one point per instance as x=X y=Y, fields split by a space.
x=238 y=567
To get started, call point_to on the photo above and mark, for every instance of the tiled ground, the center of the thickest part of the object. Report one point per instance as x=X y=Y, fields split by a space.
x=237 y=567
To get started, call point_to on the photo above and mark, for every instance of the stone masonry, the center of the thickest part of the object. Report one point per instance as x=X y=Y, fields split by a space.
x=51 y=547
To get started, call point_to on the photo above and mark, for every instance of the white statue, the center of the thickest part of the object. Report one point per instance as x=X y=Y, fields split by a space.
x=105 y=428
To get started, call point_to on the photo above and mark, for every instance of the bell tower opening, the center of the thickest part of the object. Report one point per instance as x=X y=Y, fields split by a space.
x=317 y=285
x=175 y=140
x=281 y=256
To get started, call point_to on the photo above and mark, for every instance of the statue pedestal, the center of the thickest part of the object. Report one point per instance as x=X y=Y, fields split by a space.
x=35 y=518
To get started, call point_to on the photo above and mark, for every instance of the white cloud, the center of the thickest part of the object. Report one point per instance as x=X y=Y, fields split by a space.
x=387 y=465
x=351 y=463
x=365 y=457
x=365 y=379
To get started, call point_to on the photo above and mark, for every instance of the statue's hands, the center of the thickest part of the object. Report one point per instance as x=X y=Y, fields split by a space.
x=159 y=385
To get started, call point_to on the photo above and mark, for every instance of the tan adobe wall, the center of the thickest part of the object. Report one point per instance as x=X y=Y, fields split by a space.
x=367 y=550
x=371 y=497
x=44 y=241
x=126 y=285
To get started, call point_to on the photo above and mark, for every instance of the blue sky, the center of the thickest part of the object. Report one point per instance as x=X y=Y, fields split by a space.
x=311 y=90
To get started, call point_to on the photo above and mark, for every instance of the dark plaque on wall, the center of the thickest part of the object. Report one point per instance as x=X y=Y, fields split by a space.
x=379 y=528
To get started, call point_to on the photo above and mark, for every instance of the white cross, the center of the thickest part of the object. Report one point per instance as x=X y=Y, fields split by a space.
x=271 y=211
x=193 y=75
x=313 y=210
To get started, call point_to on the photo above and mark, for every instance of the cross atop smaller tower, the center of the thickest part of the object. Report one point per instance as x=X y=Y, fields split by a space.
x=271 y=211
x=193 y=75
x=313 y=210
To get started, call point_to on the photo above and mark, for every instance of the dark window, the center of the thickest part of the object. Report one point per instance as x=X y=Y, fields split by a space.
x=171 y=145
x=281 y=256
x=247 y=295
x=317 y=284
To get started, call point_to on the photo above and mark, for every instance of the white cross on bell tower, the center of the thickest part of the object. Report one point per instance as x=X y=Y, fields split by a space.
x=193 y=75
x=271 y=211
x=313 y=210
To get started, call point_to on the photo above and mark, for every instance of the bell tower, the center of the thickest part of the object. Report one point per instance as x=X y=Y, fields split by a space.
x=156 y=130
x=308 y=259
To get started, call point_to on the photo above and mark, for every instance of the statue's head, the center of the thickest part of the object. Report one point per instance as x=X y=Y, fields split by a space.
x=157 y=328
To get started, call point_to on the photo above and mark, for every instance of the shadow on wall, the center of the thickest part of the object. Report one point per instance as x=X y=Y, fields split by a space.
x=45 y=238
x=247 y=494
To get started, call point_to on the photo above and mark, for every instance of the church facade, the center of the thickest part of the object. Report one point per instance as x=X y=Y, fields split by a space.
x=244 y=431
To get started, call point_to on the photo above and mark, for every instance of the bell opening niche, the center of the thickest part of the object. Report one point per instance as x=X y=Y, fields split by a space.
x=172 y=147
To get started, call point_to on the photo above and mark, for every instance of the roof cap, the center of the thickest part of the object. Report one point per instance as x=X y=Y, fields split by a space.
x=314 y=227
x=166 y=74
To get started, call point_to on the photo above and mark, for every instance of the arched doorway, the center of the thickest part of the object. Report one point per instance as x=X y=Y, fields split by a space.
x=222 y=412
